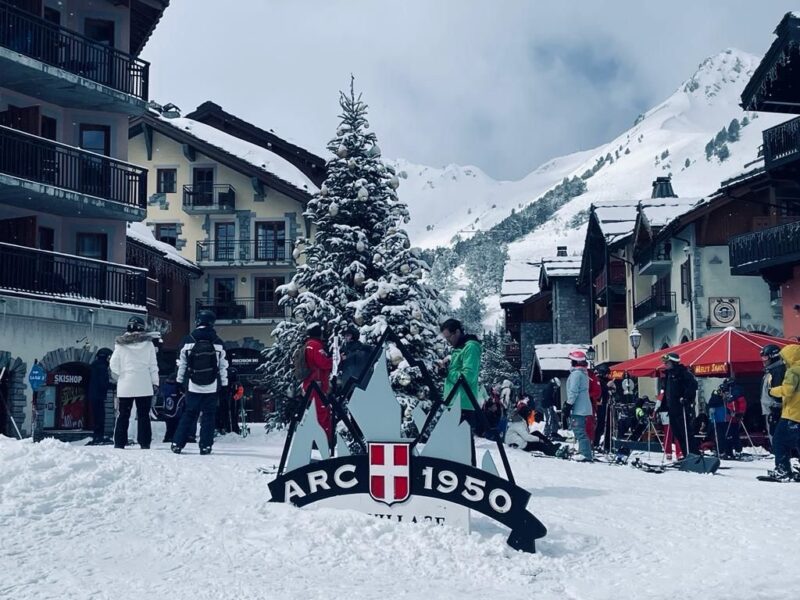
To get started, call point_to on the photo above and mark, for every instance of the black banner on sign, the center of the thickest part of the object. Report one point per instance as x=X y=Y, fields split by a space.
x=436 y=478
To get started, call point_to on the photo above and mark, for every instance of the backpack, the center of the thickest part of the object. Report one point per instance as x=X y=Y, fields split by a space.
x=202 y=362
x=595 y=390
x=299 y=364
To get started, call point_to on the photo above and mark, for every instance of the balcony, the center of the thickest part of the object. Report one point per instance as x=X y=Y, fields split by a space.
x=611 y=279
x=614 y=319
x=243 y=252
x=656 y=261
x=41 y=59
x=782 y=144
x=42 y=175
x=242 y=310
x=655 y=310
x=202 y=199
x=750 y=253
x=72 y=279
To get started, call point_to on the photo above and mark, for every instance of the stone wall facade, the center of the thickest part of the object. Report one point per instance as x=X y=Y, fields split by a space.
x=570 y=313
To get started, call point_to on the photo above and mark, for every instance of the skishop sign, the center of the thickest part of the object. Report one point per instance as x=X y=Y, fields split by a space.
x=431 y=478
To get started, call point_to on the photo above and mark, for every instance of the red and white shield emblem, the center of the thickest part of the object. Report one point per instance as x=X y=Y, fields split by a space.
x=389 y=472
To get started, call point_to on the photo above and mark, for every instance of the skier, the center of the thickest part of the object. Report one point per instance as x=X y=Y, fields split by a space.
x=604 y=376
x=173 y=407
x=133 y=364
x=355 y=356
x=98 y=393
x=787 y=432
x=718 y=417
x=680 y=388
x=236 y=395
x=551 y=400
x=506 y=398
x=579 y=406
x=318 y=367
x=595 y=395
x=203 y=372
x=519 y=436
x=465 y=359
x=736 y=406
x=774 y=370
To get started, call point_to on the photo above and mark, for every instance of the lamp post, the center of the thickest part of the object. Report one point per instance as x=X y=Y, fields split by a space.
x=591 y=354
x=636 y=339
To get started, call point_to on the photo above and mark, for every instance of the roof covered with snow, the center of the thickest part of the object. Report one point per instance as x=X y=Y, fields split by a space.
x=561 y=266
x=660 y=211
x=520 y=281
x=554 y=357
x=259 y=157
x=142 y=234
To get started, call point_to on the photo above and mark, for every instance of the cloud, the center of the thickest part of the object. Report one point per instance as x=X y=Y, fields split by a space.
x=504 y=85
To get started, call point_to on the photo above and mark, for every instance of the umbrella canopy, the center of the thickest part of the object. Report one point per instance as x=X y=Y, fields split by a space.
x=727 y=353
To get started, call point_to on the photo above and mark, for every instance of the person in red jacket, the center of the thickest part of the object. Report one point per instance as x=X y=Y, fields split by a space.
x=320 y=366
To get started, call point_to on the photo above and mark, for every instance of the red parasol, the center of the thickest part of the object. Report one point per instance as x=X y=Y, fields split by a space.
x=730 y=352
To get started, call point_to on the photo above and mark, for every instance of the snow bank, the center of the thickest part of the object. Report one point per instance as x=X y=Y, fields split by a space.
x=93 y=522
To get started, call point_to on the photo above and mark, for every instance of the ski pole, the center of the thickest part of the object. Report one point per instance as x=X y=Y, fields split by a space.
x=716 y=435
x=7 y=407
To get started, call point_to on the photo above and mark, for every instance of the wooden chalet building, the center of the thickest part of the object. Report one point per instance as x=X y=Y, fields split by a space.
x=770 y=247
x=70 y=79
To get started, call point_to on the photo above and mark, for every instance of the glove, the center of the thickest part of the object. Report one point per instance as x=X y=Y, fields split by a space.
x=567 y=412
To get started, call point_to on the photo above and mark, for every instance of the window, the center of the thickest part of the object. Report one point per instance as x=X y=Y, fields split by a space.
x=225 y=299
x=92 y=245
x=266 y=298
x=167 y=233
x=270 y=241
x=49 y=128
x=96 y=138
x=203 y=184
x=686 y=282
x=52 y=15
x=225 y=241
x=47 y=238
x=167 y=181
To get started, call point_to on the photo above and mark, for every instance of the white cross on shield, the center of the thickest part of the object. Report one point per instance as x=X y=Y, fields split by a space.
x=389 y=472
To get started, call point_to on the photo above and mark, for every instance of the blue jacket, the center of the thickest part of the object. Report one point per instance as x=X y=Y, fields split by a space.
x=578 y=392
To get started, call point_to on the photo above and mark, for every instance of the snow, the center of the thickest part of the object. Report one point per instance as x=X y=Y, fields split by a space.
x=93 y=522
x=561 y=266
x=659 y=214
x=553 y=357
x=520 y=281
x=257 y=156
x=142 y=234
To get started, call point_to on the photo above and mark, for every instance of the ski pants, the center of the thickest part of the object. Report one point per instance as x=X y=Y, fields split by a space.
x=785 y=439
x=542 y=445
x=551 y=421
x=720 y=437
x=98 y=404
x=678 y=421
x=600 y=428
x=144 y=434
x=578 y=423
x=591 y=425
x=733 y=441
x=195 y=404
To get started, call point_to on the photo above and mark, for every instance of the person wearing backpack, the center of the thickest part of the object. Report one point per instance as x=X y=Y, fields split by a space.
x=314 y=365
x=203 y=372
x=787 y=433
x=134 y=367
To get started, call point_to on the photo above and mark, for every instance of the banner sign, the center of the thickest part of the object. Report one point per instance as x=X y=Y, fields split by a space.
x=434 y=473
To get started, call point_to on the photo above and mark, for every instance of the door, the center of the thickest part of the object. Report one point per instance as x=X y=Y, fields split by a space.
x=224 y=298
x=224 y=241
x=20 y=231
x=95 y=174
x=203 y=186
x=19 y=268
x=266 y=301
x=98 y=62
x=270 y=241
x=89 y=278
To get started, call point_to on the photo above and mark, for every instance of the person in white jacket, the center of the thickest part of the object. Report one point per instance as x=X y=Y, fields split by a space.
x=519 y=436
x=135 y=369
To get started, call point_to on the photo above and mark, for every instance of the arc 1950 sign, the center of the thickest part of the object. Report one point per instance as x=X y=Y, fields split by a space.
x=394 y=478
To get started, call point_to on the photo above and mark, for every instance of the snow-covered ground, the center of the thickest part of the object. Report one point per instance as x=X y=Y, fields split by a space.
x=84 y=522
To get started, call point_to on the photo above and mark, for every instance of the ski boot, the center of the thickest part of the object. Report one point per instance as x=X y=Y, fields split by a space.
x=782 y=475
x=175 y=448
x=564 y=452
x=205 y=451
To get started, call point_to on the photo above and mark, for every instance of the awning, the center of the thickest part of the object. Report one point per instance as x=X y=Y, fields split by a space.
x=728 y=353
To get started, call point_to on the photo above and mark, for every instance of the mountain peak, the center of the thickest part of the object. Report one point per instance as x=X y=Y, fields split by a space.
x=731 y=66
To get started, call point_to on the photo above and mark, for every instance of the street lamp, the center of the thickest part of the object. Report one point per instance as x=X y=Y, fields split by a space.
x=591 y=354
x=636 y=339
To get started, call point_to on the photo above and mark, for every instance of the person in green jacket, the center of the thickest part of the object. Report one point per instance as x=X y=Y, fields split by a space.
x=465 y=359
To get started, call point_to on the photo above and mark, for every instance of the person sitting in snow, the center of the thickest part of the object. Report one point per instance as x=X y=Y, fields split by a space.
x=520 y=436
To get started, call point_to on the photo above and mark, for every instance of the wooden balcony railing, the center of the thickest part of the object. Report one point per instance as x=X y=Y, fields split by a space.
x=782 y=143
x=661 y=303
x=41 y=160
x=614 y=319
x=41 y=40
x=55 y=275
x=751 y=252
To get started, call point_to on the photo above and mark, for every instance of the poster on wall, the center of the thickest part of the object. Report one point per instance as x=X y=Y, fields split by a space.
x=71 y=382
x=724 y=312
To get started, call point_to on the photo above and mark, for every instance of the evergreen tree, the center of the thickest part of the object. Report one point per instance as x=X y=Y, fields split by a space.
x=723 y=153
x=733 y=131
x=359 y=266
x=472 y=310
x=495 y=368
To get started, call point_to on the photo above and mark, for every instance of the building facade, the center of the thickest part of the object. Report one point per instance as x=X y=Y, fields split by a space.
x=234 y=208
x=70 y=78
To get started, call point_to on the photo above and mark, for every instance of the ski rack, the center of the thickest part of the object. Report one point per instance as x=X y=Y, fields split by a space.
x=334 y=401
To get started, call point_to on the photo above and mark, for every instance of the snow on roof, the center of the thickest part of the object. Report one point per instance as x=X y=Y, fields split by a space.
x=257 y=156
x=142 y=234
x=617 y=218
x=660 y=211
x=554 y=357
x=562 y=266
x=520 y=281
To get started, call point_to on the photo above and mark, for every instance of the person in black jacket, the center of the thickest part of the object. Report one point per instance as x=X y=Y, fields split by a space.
x=355 y=356
x=680 y=389
x=774 y=372
x=98 y=393
x=550 y=402
x=604 y=375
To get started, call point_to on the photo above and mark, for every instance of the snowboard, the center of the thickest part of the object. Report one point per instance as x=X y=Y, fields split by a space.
x=772 y=479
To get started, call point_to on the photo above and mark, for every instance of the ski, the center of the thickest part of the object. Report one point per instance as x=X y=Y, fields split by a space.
x=637 y=463
x=776 y=480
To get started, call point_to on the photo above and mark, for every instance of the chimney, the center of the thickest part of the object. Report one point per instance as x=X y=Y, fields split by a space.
x=662 y=188
x=561 y=251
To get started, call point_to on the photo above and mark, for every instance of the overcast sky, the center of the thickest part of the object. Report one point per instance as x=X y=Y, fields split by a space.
x=501 y=84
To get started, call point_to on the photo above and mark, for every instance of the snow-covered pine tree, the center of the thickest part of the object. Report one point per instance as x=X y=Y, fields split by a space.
x=495 y=368
x=359 y=267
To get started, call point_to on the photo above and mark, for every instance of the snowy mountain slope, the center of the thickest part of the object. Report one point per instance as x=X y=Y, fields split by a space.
x=445 y=202
x=681 y=126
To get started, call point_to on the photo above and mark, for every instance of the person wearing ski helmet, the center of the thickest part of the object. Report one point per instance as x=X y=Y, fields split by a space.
x=774 y=371
x=579 y=405
x=787 y=432
x=134 y=366
x=680 y=388
x=99 y=385
x=203 y=371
